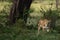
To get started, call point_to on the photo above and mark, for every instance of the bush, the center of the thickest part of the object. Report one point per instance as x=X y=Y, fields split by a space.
x=51 y=15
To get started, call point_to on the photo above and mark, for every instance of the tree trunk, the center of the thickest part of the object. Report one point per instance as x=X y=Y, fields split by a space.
x=17 y=10
x=27 y=7
x=57 y=2
x=13 y=12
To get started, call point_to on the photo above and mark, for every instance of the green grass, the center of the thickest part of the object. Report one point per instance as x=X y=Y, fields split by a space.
x=29 y=35
x=26 y=34
x=19 y=32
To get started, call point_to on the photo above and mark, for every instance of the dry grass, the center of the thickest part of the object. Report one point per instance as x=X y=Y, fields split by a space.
x=37 y=7
x=4 y=4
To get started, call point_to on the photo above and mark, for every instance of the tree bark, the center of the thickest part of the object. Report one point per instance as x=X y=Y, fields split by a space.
x=13 y=12
x=17 y=10
x=57 y=2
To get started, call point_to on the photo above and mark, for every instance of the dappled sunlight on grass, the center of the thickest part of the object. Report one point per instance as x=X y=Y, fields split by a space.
x=4 y=4
x=37 y=7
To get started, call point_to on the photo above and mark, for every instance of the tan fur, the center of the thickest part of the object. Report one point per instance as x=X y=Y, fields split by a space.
x=43 y=24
